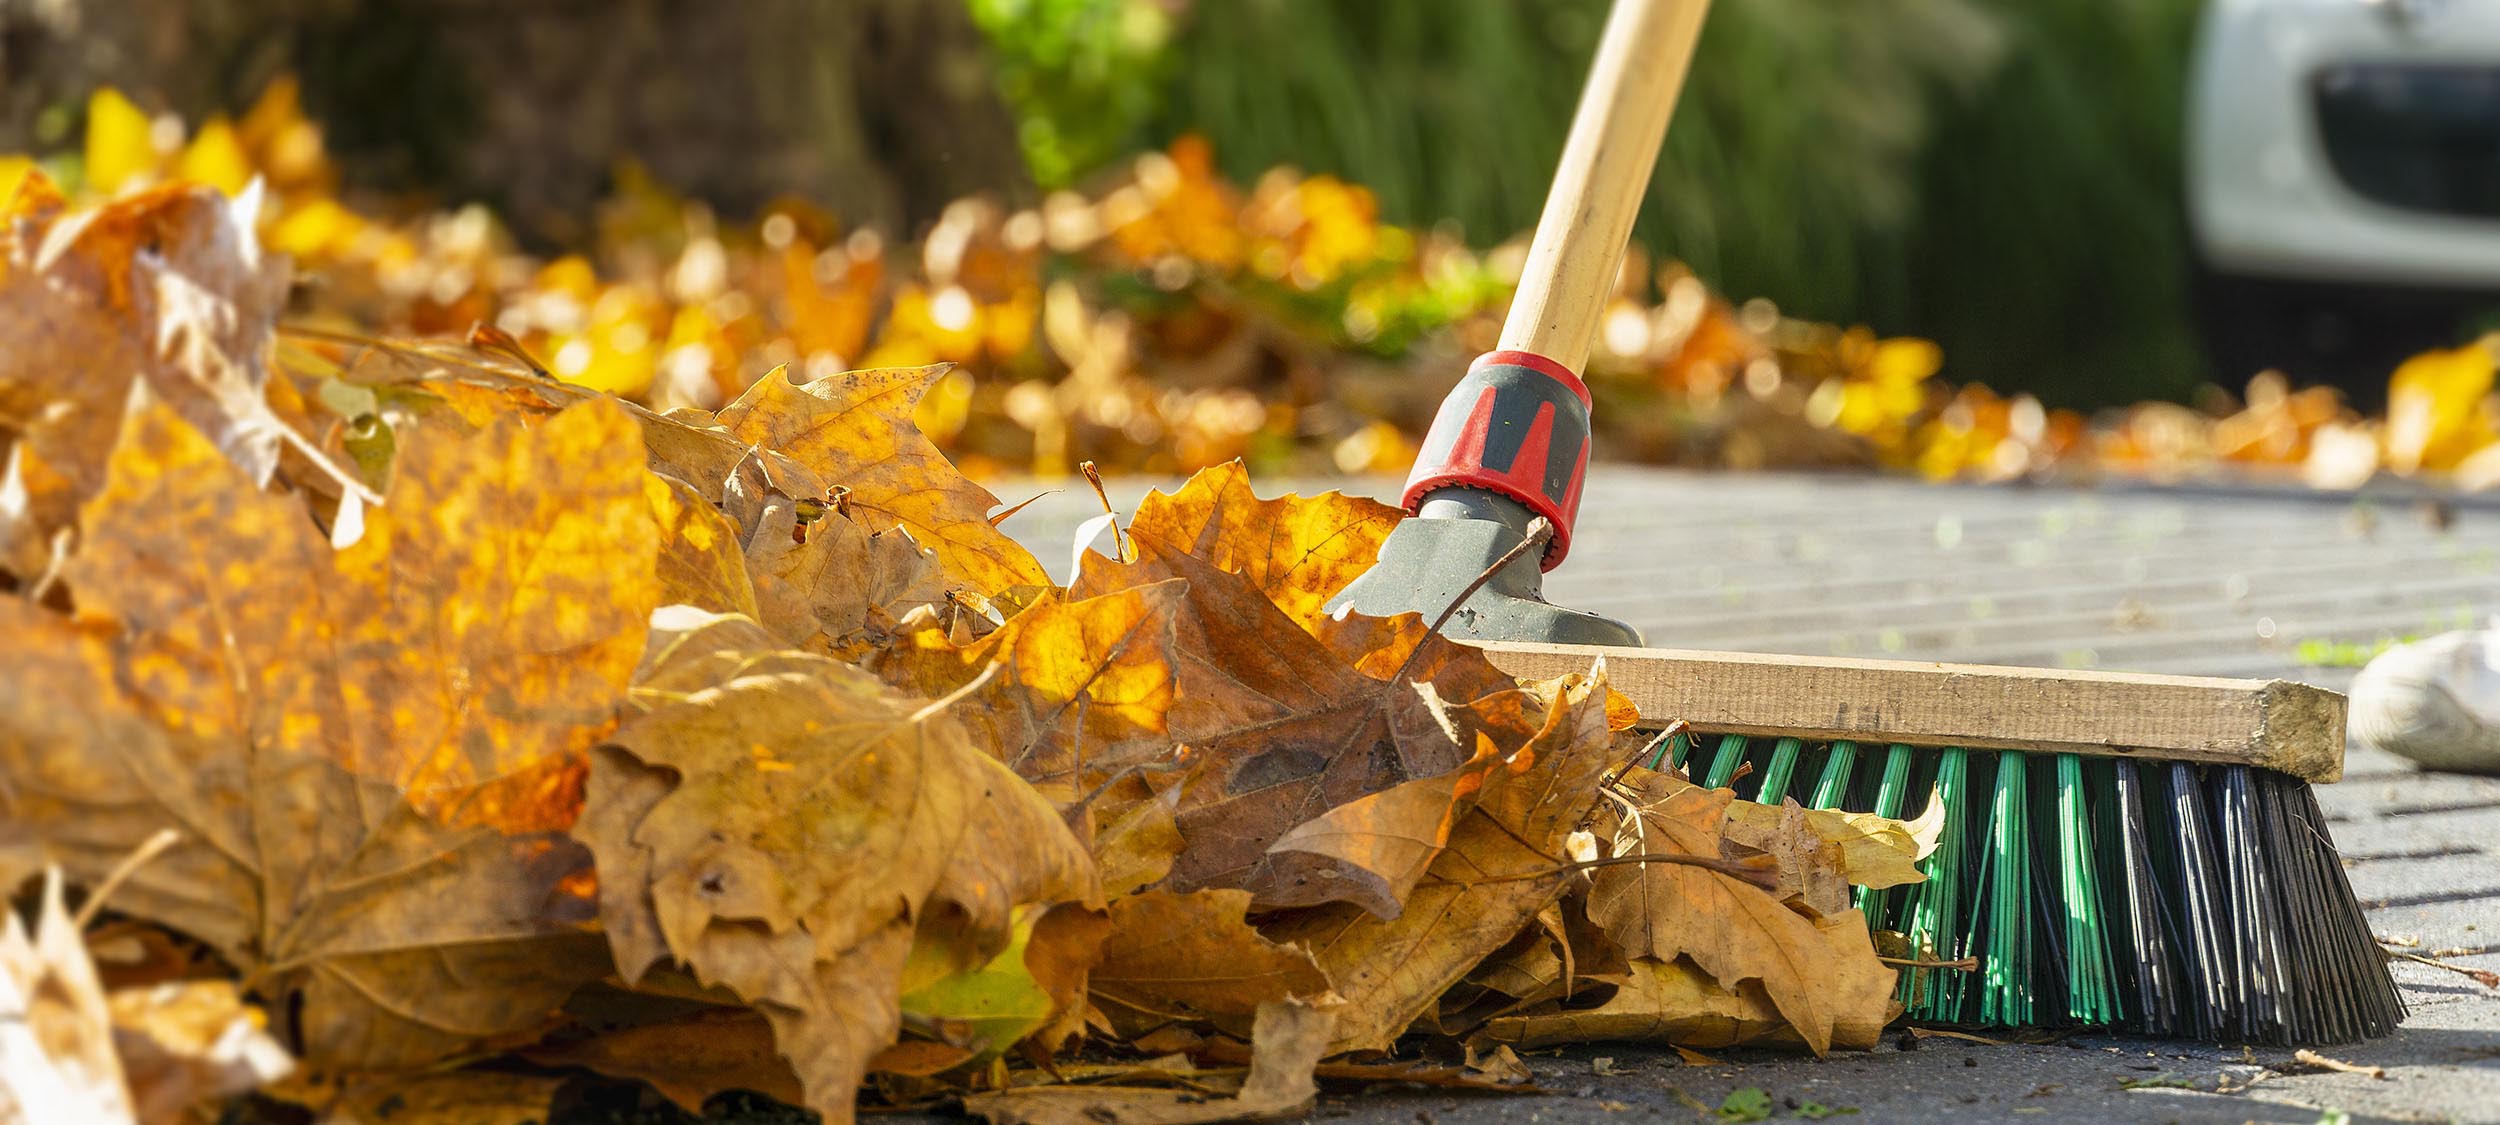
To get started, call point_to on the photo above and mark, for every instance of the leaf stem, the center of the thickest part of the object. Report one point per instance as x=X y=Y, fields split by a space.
x=2484 y=977
x=151 y=848
x=951 y=698
x=1539 y=530
x=1966 y=964
x=1744 y=872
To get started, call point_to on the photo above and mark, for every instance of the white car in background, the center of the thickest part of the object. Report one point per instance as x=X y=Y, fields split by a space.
x=2343 y=182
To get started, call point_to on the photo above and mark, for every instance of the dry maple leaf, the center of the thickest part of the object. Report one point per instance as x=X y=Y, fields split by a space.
x=831 y=585
x=167 y=289
x=855 y=430
x=1281 y=727
x=687 y=1059
x=1538 y=966
x=1870 y=850
x=1299 y=551
x=788 y=828
x=1061 y=681
x=363 y=748
x=1676 y=1002
x=1731 y=929
x=509 y=580
x=744 y=530
x=819 y=578
x=1134 y=847
x=1191 y=957
x=1504 y=862
x=700 y=562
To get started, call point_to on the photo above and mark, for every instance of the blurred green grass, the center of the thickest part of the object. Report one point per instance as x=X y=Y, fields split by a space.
x=2002 y=176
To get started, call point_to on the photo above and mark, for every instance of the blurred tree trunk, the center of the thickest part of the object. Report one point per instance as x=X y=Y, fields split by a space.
x=882 y=110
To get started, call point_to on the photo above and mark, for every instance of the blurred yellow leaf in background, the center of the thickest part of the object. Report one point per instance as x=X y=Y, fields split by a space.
x=2437 y=412
x=121 y=147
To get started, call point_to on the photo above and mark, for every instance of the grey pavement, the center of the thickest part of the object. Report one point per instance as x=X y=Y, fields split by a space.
x=2252 y=582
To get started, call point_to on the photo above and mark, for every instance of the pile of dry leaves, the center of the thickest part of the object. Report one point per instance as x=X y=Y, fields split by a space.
x=447 y=731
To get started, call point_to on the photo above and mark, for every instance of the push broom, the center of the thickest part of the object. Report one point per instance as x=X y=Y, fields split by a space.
x=2132 y=852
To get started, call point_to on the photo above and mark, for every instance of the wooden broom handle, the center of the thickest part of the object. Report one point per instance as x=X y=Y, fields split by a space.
x=1641 y=60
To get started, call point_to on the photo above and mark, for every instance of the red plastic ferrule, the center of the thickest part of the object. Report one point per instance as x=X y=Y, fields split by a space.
x=1517 y=425
x=1537 y=363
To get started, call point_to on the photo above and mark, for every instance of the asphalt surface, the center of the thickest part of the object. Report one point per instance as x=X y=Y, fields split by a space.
x=2250 y=582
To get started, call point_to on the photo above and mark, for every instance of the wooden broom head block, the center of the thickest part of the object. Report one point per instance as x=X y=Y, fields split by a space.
x=2287 y=727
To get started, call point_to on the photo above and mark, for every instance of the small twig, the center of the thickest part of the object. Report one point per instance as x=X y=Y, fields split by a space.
x=495 y=341
x=2316 y=1061
x=1648 y=752
x=53 y=568
x=1076 y=742
x=1539 y=530
x=320 y=461
x=956 y=696
x=1966 y=964
x=1119 y=538
x=1767 y=879
x=1002 y=517
x=1944 y=1033
x=2484 y=977
x=154 y=846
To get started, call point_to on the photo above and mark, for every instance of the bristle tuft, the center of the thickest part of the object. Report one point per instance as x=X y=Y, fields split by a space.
x=2091 y=993
x=1782 y=770
x=1723 y=766
x=1833 y=787
x=2005 y=884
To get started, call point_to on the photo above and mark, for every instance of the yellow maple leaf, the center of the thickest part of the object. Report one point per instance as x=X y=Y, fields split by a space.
x=1192 y=957
x=2435 y=407
x=121 y=143
x=1299 y=551
x=215 y=157
x=368 y=750
x=855 y=430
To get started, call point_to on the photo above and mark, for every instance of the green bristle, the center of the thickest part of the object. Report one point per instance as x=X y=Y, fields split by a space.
x=1783 y=767
x=1935 y=921
x=2091 y=985
x=1829 y=789
x=2005 y=963
x=1723 y=767
x=1875 y=903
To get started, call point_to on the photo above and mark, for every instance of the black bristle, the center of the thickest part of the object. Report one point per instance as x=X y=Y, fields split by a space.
x=2253 y=906
x=2155 y=970
x=2197 y=887
x=2349 y=972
